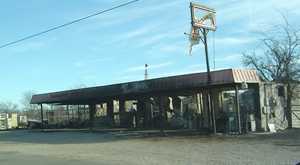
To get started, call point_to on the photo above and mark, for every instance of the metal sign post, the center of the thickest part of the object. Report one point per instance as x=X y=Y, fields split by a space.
x=203 y=23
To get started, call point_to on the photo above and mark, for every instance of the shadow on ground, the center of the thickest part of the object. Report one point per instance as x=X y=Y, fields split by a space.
x=84 y=136
x=25 y=136
x=287 y=138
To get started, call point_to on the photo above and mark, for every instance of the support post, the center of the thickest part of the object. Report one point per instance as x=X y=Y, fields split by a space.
x=68 y=114
x=110 y=111
x=84 y=113
x=42 y=117
x=202 y=110
x=78 y=113
x=213 y=115
x=210 y=113
x=122 y=112
x=210 y=109
x=207 y=100
x=72 y=110
x=198 y=118
x=140 y=112
x=147 y=112
x=92 y=110
x=237 y=101
x=206 y=56
x=47 y=116
x=161 y=114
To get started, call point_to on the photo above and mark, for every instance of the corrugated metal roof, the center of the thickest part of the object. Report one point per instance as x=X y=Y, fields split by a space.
x=146 y=87
x=249 y=76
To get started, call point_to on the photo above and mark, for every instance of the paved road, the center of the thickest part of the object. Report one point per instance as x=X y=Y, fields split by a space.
x=72 y=148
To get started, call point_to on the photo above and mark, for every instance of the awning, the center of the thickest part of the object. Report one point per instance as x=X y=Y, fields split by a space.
x=147 y=87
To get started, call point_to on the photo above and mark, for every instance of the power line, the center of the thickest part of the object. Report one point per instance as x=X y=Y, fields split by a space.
x=67 y=24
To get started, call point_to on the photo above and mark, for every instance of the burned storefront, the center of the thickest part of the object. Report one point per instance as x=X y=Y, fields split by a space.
x=177 y=102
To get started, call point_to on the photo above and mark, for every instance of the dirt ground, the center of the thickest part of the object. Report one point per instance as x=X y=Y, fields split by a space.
x=77 y=148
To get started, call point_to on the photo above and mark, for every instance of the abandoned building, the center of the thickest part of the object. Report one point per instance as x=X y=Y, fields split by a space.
x=12 y=120
x=235 y=102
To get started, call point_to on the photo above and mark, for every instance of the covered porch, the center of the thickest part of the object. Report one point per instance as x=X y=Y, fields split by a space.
x=229 y=104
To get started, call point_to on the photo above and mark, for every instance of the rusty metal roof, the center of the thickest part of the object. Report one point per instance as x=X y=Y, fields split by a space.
x=249 y=76
x=147 y=87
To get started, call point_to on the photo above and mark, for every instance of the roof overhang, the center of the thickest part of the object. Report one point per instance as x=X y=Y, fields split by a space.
x=147 y=87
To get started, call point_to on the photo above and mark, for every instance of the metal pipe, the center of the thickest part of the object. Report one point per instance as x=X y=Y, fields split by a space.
x=209 y=106
x=78 y=117
x=238 y=109
x=68 y=115
x=206 y=56
x=42 y=117
x=161 y=115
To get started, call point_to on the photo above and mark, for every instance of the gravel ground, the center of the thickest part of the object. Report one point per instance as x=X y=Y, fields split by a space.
x=72 y=148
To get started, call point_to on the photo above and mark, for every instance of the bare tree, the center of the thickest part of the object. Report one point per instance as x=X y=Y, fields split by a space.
x=30 y=109
x=25 y=101
x=8 y=107
x=279 y=60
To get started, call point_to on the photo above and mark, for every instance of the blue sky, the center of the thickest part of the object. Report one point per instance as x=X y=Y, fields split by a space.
x=114 y=47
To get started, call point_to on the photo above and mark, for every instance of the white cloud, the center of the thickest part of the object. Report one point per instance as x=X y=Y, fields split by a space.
x=137 y=32
x=153 y=39
x=137 y=11
x=134 y=34
x=255 y=14
x=83 y=63
x=153 y=7
x=233 y=41
x=171 y=48
x=229 y=58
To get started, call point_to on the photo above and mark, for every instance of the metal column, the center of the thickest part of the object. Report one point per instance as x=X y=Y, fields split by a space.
x=78 y=113
x=237 y=101
x=68 y=114
x=42 y=117
x=92 y=110
x=161 y=114
x=122 y=112
x=110 y=111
